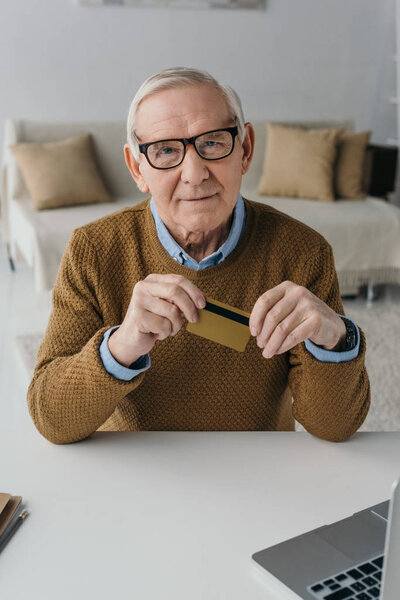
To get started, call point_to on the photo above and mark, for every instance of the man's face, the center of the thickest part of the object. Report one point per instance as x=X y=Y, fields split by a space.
x=198 y=195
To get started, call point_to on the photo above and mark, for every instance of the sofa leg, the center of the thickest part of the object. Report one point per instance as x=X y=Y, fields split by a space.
x=10 y=260
x=370 y=293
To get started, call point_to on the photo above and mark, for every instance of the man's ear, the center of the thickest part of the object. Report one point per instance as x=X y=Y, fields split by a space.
x=134 y=170
x=248 y=147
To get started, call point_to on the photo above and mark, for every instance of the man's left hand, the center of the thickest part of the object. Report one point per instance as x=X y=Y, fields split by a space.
x=288 y=314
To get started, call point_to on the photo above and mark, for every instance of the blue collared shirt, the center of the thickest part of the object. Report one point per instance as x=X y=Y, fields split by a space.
x=118 y=371
x=174 y=250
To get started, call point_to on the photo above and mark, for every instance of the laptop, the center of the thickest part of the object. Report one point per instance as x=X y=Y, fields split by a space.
x=357 y=558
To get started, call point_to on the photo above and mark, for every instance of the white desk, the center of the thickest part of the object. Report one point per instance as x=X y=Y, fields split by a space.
x=175 y=515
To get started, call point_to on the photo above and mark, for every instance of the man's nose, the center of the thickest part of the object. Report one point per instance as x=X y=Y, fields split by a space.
x=194 y=168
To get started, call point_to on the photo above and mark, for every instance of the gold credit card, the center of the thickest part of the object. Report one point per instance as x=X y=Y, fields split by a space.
x=223 y=324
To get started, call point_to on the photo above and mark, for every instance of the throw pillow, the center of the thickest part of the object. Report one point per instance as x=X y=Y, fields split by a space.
x=61 y=173
x=350 y=163
x=299 y=162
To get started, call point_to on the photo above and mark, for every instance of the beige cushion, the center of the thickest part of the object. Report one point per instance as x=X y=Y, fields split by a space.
x=299 y=162
x=349 y=164
x=61 y=173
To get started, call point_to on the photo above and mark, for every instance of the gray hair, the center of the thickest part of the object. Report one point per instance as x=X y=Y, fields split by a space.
x=176 y=77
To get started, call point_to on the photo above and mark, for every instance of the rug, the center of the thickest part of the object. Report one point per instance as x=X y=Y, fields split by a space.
x=381 y=325
x=27 y=347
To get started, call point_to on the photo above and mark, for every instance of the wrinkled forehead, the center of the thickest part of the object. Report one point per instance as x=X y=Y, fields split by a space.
x=181 y=112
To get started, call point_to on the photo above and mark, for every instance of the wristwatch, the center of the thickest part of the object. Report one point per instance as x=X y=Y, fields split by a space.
x=351 y=335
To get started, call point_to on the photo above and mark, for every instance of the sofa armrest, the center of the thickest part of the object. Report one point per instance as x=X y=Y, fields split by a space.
x=380 y=170
x=10 y=175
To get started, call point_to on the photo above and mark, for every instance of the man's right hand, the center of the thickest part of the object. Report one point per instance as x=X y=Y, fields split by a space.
x=156 y=311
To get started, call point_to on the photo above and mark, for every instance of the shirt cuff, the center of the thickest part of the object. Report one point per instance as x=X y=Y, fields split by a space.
x=334 y=357
x=114 y=368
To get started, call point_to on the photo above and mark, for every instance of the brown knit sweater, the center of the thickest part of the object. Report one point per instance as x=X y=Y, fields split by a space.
x=193 y=383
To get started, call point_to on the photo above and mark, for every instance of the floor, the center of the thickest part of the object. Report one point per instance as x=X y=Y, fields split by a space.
x=21 y=311
x=24 y=311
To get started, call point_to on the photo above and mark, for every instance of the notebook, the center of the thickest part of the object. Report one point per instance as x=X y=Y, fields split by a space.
x=8 y=512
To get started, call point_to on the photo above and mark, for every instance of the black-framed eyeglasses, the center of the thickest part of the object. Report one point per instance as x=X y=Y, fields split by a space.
x=211 y=145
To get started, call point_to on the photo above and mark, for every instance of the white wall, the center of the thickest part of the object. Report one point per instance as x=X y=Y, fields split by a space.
x=298 y=59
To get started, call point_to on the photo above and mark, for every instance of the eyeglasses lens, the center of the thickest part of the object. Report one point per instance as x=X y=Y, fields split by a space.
x=214 y=145
x=164 y=155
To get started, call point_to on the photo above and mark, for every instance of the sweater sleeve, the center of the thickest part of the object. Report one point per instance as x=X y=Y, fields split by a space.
x=330 y=400
x=71 y=394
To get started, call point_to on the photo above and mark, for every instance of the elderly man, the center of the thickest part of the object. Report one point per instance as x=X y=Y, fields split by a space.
x=117 y=355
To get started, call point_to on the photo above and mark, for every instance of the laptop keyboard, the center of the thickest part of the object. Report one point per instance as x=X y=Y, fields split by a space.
x=361 y=582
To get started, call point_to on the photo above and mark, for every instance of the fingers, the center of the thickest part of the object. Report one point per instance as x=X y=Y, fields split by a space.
x=166 y=312
x=283 y=315
x=177 y=283
x=263 y=306
x=283 y=337
x=160 y=327
x=278 y=321
x=173 y=289
x=296 y=336
x=157 y=307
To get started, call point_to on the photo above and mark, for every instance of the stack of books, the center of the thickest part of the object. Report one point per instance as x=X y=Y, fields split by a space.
x=11 y=516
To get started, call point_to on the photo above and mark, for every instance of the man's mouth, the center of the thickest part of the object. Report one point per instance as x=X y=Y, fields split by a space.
x=198 y=198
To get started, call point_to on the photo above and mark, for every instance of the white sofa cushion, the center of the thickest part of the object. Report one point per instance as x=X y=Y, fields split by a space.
x=41 y=236
x=364 y=234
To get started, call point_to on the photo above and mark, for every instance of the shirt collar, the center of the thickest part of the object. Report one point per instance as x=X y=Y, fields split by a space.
x=174 y=250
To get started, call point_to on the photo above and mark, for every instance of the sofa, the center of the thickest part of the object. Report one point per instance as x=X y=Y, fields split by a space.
x=364 y=234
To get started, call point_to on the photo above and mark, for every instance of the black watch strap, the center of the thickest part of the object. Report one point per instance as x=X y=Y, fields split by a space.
x=351 y=334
